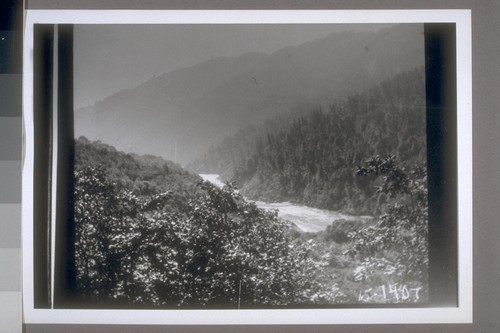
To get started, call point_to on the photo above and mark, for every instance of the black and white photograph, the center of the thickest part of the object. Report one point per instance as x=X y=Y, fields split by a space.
x=245 y=166
x=250 y=166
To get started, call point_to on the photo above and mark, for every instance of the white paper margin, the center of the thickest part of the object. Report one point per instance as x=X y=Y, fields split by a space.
x=460 y=314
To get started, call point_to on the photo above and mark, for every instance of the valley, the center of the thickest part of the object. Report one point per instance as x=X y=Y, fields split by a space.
x=307 y=219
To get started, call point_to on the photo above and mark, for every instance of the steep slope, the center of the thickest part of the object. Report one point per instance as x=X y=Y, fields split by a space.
x=198 y=106
x=312 y=159
x=128 y=119
x=143 y=176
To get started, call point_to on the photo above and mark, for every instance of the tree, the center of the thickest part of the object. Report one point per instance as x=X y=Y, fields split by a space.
x=110 y=233
x=396 y=246
x=241 y=255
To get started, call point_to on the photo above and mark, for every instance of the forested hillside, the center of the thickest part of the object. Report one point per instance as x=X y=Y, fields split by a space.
x=228 y=155
x=149 y=234
x=312 y=158
x=142 y=175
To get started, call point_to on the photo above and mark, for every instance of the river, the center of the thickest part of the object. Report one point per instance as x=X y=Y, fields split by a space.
x=308 y=219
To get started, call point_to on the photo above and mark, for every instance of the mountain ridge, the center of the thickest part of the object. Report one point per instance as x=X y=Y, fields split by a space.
x=195 y=107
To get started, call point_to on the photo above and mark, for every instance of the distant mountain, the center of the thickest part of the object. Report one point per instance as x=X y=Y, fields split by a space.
x=196 y=107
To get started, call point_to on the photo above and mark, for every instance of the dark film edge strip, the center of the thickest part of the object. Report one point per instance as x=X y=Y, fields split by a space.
x=64 y=260
x=441 y=96
x=42 y=73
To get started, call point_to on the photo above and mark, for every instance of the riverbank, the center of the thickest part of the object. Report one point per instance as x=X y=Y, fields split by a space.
x=307 y=219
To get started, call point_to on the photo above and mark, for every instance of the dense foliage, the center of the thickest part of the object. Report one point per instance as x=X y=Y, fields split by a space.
x=311 y=159
x=219 y=251
x=396 y=247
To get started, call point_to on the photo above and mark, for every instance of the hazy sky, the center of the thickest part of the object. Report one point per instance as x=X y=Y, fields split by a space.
x=109 y=58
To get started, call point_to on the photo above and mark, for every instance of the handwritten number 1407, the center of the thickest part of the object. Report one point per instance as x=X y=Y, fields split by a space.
x=392 y=292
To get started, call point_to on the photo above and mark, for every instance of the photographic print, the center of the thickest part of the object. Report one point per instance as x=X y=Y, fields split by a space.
x=241 y=166
x=268 y=166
